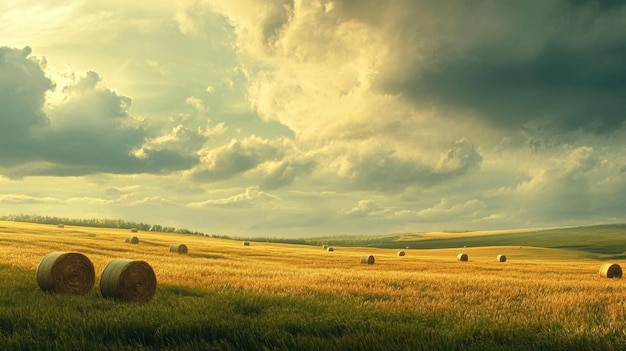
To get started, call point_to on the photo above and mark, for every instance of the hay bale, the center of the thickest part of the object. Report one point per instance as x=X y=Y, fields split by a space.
x=68 y=273
x=330 y=249
x=401 y=253
x=179 y=248
x=367 y=259
x=128 y=281
x=610 y=270
x=325 y=247
x=60 y=226
x=245 y=243
x=132 y=240
x=462 y=257
x=501 y=258
x=133 y=230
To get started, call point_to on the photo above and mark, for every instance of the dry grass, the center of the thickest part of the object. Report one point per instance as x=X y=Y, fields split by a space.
x=538 y=286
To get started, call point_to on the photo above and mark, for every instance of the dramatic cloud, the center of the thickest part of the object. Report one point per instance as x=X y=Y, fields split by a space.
x=90 y=131
x=294 y=118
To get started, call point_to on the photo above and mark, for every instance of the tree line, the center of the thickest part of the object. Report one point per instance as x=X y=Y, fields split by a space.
x=96 y=223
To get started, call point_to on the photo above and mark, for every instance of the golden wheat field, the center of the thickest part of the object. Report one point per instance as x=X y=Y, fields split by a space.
x=534 y=285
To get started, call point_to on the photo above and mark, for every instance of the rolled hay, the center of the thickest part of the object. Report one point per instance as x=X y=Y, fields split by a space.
x=610 y=270
x=330 y=249
x=462 y=257
x=133 y=230
x=132 y=240
x=501 y=258
x=179 y=248
x=401 y=253
x=128 y=281
x=245 y=243
x=68 y=273
x=367 y=259
x=325 y=247
x=60 y=226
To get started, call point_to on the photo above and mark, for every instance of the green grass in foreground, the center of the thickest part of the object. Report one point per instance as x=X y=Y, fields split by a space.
x=187 y=319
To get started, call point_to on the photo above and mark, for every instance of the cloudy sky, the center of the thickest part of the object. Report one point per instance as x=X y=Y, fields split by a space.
x=315 y=117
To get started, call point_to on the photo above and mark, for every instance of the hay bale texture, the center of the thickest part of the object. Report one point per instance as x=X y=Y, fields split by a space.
x=68 y=273
x=330 y=249
x=132 y=240
x=367 y=259
x=401 y=253
x=133 y=230
x=245 y=243
x=610 y=270
x=462 y=257
x=179 y=248
x=60 y=226
x=128 y=281
x=501 y=258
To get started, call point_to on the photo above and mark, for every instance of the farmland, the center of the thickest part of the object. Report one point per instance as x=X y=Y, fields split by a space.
x=226 y=296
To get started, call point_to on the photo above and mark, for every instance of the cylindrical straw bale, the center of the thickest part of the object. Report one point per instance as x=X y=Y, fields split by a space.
x=68 y=273
x=367 y=259
x=133 y=230
x=330 y=249
x=325 y=247
x=180 y=248
x=401 y=253
x=60 y=225
x=245 y=243
x=610 y=270
x=132 y=240
x=501 y=258
x=128 y=281
x=462 y=257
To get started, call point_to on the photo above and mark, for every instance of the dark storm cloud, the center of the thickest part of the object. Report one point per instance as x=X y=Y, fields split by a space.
x=556 y=63
x=22 y=89
x=91 y=132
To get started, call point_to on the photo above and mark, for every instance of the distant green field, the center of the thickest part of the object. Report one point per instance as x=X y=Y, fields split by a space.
x=604 y=241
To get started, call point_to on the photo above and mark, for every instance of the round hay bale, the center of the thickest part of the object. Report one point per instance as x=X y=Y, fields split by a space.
x=610 y=270
x=179 y=248
x=133 y=230
x=68 y=273
x=245 y=243
x=128 y=281
x=60 y=226
x=401 y=253
x=330 y=249
x=132 y=240
x=462 y=257
x=325 y=247
x=501 y=258
x=367 y=259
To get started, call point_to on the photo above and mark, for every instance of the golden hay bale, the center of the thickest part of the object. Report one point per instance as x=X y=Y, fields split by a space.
x=501 y=258
x=180 y=248
x=367 y=259
x=60 y=226
x=132 y=240
x=68 y=273
x=462 y=257
x=133 y=230
x=245 y=243
x=610 y=270
x=128 y=281
x=330 y=249
x=401 y=253
x=325 y=247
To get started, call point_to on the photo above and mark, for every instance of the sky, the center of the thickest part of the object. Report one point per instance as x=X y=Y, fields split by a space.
x=303 y=118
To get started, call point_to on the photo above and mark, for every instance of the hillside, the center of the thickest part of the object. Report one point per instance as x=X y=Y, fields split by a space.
x=604 y=241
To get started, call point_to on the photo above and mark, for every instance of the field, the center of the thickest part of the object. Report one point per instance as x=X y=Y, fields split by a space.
x=270 y=296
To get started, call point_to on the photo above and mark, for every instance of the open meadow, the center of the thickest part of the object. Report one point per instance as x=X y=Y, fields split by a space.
x=223 y=295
